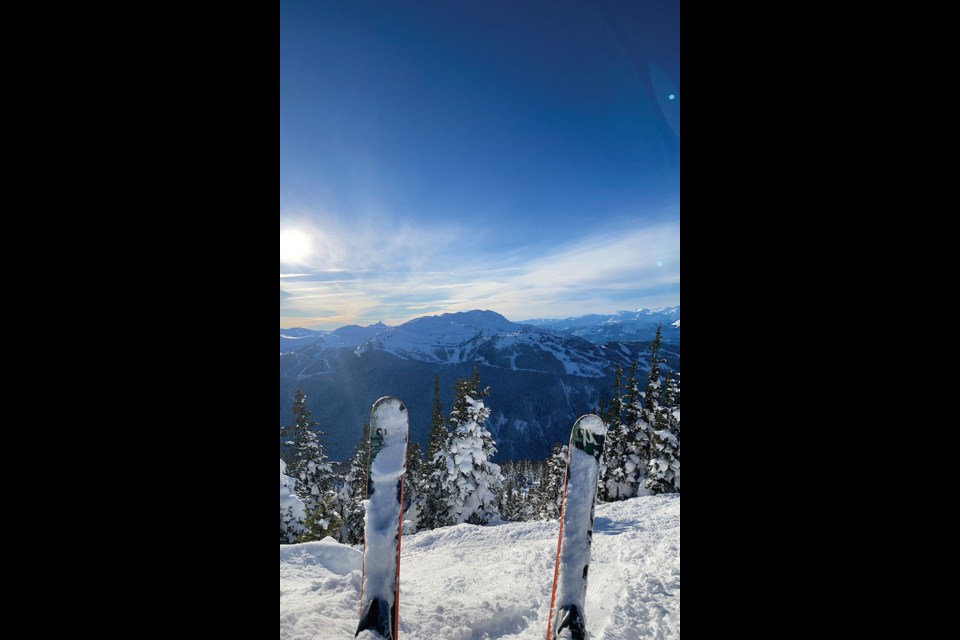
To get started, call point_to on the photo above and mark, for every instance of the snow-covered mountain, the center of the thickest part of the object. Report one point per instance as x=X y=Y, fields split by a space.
x=496 y=581
x=541 y=379
x=623 y=326
x=485 y=337
x=344 y=337
x=293 y=338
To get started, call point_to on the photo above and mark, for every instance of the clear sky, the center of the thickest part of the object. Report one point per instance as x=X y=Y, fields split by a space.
x=518 y=156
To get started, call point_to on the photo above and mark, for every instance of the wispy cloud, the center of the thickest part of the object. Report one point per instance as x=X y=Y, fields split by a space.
x=394 y=272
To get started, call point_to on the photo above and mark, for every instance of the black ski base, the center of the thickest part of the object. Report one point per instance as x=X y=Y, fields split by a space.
x=569 y=618
x=377 y=618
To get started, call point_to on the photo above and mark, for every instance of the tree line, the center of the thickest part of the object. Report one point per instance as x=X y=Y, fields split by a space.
x=457 y=481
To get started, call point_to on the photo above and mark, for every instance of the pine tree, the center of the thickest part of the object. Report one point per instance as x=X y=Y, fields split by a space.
x=353 y=492
x=615 y=407
x=651 y=396
x=438 y=431
x=292 y=514
x=323 y=520
x=511 y=503
x=610 y=484
x=633 y=447
x=663 y=469
x=413 y=477
x=433 y=508
x=470 y=480
x=309 y=466
x=550 y=492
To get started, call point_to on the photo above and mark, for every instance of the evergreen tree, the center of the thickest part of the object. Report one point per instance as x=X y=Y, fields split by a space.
x=292 y=514
x=550 y=492
x=632 y=406
x=353 y=492
x=433 y=508
x=609 y=487
x=309 y=466
x=438 y=431
x=615 y=407
x=323 y=520
x=470 y=480
x=673 y=401
x=663 y=469
x=633 y=446
x=413 y=477
x=511 y=506
x=651 y=397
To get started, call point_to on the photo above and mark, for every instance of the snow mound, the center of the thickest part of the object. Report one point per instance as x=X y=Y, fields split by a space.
x=488 y=583
x=328 y=554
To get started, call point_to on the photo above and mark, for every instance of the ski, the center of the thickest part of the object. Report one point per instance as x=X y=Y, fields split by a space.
x=380 y=588
x=567 y=601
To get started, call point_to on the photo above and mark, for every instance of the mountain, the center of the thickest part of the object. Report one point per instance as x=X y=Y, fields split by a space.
x=496 y=581
x=621 y=326
x=293 y=338
x=344 y=337
x=541 y=380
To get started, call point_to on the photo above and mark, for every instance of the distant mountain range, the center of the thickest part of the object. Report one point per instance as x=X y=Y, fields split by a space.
x=621 y=326
x=543 y=374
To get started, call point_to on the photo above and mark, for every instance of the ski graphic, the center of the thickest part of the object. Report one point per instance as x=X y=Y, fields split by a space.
x=576 y=530
x=380 y=589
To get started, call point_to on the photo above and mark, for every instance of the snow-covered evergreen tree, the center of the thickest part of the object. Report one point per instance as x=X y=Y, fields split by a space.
x=470 y=480
x=612 y=485
x=292 y=514
x=511 y=503
x=550 y=492
x=633 y=449
x=310 y=467
x=651 y=396
x=663 y=469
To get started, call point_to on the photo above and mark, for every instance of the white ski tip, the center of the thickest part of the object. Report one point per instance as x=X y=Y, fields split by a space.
x=593 y=424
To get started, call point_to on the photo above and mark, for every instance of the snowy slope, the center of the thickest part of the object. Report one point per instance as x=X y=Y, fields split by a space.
x=484 y=583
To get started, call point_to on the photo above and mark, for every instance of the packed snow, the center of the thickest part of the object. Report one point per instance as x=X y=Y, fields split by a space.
x=485 y=583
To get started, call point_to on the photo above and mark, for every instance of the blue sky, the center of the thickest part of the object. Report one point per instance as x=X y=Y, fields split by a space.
x=444 y=156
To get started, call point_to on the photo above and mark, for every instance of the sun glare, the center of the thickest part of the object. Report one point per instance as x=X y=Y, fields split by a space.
x=294 y=246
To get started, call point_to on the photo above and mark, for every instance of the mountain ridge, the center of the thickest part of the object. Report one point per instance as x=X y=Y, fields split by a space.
x=542 y=379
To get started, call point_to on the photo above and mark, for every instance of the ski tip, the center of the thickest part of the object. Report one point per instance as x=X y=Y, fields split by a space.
x=591 y=423
x=386 y=401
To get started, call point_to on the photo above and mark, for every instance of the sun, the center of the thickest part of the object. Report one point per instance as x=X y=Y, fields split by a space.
x=294 y=246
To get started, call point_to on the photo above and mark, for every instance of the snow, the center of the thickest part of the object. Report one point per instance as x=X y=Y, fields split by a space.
x=476 y=583
x=287 y=497
x=382 y=510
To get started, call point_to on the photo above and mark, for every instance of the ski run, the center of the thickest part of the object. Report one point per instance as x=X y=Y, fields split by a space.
x=484 y=583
